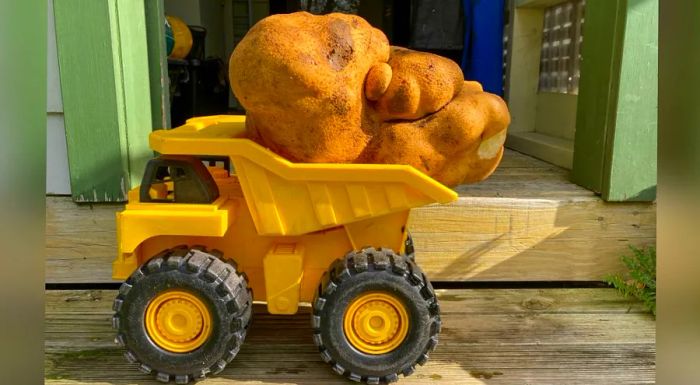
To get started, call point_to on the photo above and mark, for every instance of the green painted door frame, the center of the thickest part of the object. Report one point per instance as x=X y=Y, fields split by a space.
x=616 y=123
x=157 y=63
x=114 y=90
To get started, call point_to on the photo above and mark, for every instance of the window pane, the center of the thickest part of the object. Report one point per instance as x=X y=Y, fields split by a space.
x=560 y=55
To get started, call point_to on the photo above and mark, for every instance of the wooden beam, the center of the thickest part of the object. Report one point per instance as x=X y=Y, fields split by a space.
x=515 y=239
x=597 y=98
x=615 y=144
x=526 y=222
x=128 y=21
x=630 y=172
x=106 y=96
x=524 y=48
x=157 y=64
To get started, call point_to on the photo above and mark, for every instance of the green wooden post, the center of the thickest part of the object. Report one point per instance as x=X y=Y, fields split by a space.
x=157 y=64
x=615 y=143
x=603 y=33
x=631 y=169
x=104 y=72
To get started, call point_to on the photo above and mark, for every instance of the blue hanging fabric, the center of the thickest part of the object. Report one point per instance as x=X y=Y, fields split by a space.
x=482 y=55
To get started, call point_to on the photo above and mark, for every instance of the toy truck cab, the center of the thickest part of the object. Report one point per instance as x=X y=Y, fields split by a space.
x=220 y=221
x=177 y=179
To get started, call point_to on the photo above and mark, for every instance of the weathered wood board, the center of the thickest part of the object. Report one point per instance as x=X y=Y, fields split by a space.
x=616 y=122
x=630 y=173
x=538 y=336
x=525 y=223
x=103 y=63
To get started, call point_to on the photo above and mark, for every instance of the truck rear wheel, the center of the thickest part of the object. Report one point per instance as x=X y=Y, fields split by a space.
x=182 y=315
x=375 y=316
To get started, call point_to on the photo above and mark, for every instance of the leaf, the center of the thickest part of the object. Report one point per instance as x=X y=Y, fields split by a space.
x=640 y=281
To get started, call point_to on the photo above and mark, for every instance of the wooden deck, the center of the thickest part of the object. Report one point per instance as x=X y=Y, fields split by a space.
x=490 y=336
x=526 y=223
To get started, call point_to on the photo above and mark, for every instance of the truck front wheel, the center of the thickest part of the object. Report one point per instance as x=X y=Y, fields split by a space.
x=182 y=315
x=375 y=316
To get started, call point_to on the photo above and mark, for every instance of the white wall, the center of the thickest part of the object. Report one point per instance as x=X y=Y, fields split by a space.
x=57 y=176
x=205 y=13
x=187 y=10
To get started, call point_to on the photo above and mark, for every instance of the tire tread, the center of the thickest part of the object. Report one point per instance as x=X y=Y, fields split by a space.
x=375 y=259
x=230 y=284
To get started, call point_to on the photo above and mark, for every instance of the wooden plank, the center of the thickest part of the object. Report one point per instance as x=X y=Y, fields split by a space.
x=54 y=103
x=106 y=102
x=523 y=63
x=555 y=150
x=462 y=301
x=615 y=145
x=93 y=138
x=631 y=169
x=556 y=116
x=573 y=336
x=526 y=222
x=483 y=239
x=598 y=88
x=128 y=24
x=159 y=82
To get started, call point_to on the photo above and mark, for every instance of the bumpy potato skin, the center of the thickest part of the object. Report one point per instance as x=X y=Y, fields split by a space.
x=377 y=81
x=421 y=84
x=300 y=78
x=331 y=89
x=445 y=144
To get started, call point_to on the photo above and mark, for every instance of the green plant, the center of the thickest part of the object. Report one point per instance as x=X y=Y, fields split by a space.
x=640 y=281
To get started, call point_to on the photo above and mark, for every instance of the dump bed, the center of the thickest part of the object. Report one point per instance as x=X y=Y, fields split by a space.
x=288 y=198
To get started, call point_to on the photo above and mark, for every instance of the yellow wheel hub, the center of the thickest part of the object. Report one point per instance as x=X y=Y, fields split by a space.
x=375 y=323
x=178 y=321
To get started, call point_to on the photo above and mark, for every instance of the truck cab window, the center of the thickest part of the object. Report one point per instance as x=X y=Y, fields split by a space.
x=177 y=179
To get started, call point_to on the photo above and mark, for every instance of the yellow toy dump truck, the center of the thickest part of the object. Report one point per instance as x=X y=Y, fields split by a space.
x=219 y=222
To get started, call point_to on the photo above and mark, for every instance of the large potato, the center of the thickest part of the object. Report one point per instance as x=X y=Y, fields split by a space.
x=331 y=89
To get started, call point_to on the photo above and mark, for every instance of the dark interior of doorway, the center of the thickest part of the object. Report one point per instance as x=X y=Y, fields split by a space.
x=199 y=83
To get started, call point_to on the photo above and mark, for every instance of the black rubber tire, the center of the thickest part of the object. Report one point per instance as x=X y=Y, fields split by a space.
x=217 y=283
x=375 y=270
